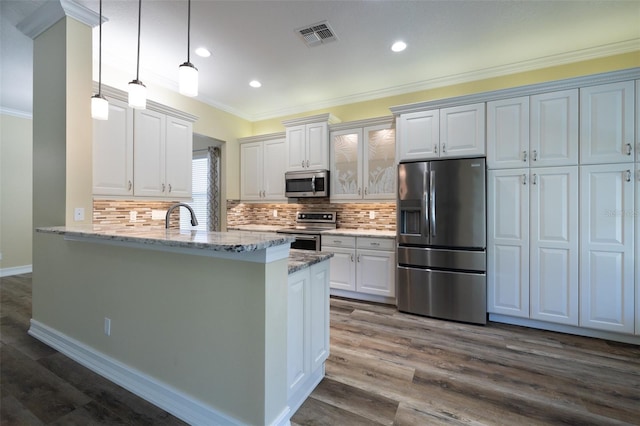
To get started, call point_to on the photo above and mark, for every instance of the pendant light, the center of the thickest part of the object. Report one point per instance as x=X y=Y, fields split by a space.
x=187 y=73
x=99 y=104
x=137 y=90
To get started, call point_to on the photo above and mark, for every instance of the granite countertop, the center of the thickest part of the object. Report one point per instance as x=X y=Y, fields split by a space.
x=231 y=242
x=361 y=233
x=258 y=228
x=301 y=259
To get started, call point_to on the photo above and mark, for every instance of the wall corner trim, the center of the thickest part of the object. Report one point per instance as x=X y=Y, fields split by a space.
x=51 y=12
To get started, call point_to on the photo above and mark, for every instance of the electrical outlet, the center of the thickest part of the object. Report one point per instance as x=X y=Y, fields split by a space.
x=107 y=326
x=372 y=214
x=78 y=214
x=275 y=213
x=133 y=216
x=158 y=214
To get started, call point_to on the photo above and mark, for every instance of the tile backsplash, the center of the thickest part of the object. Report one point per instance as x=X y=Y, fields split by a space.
x=350 y=215
x=109 y=213
x=118 y=213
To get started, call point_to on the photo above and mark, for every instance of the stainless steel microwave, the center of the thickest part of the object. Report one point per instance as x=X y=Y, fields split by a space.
x=307 y=183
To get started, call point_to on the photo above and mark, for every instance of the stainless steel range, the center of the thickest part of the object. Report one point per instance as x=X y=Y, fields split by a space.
x=308 y=229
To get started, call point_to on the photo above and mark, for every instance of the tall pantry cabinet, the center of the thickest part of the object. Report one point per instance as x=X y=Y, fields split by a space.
x=532 y=261
x=563 y=213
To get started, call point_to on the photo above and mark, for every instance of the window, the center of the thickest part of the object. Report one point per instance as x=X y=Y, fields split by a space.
x=200 y=168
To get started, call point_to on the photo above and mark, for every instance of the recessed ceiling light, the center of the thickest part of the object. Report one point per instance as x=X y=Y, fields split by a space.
x=255 y=83
x=203 y=52
x=398 y=46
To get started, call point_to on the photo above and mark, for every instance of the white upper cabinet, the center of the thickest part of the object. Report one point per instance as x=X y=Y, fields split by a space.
x=607 y=123
x=262 y=168
x=508 y=133
x=554 y=244
x=179 y=158
x=307 y=142
x=554 y=129
x=363 y=162
x=462 y=131
x=419 y=135
x=447 y=132
x=113 y=151
x=162 y=155
x=536 y=131
x=606 y=247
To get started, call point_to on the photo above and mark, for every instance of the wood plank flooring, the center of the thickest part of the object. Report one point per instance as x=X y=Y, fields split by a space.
x=385 y=368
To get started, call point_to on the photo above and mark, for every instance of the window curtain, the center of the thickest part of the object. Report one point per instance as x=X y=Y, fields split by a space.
x=213 y=188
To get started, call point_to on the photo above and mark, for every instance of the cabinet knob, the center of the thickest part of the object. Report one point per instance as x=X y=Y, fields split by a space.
x=535 y=155
x=628 y=175
x=444 y=148
x=307 y=163
x=435 y=149
x=163 y=187
x=358 y=258
x=302 y=165
x=359 y=191
x=337 y=242
x=366 y=190
x=375 y=244
x=129 y=186
x=524 y=178
x=169 y=187
x=534 y=181
x=352 y=257
x=629 y=149
x=524 y=156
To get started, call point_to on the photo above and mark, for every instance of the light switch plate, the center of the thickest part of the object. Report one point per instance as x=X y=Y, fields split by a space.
x=372 y=214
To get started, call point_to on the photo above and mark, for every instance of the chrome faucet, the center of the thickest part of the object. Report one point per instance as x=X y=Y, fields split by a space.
x=194 y=221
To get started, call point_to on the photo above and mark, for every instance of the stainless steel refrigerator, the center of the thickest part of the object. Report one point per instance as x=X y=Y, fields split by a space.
x=442 y=239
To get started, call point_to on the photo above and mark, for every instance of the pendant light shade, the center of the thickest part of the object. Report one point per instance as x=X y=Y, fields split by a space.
x=99 y=107
x=99 y=104
x=137 y=90
x=187 y=73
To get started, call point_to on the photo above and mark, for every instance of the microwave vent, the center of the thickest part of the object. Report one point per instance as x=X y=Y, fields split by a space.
x=317 y=34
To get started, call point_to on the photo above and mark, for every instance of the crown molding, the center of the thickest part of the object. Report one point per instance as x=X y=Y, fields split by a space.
x=52 y=11
x=531 y=89
x=328 y=117
x=16 y=113
x=368 y=122
x=261 y=138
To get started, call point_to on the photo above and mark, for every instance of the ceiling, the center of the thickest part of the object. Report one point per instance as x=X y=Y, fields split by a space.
x=448 y=42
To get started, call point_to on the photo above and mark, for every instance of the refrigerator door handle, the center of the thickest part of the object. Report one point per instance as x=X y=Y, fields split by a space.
x=432 y=206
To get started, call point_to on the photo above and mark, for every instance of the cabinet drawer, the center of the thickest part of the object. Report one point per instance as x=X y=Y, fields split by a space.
x=338 y=241
x=376 y=243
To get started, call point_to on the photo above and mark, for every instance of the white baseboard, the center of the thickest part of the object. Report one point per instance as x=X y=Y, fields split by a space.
x=568 y=329
x=16 y=270
x=160 y=394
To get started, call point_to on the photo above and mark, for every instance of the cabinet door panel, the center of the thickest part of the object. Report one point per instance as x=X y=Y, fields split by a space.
x=251 y=157
x=607 y=235
x=554 y=128
x=179 y=154
x=319 y=314
x=346 y=164
x=296 y=154
x=379 y=166
x=508 y=133
x=554 y=244
x=462 y=131
x=508 y=242
x=343 y=268
x=607 y=123
x=637 y=246
x=297 y=322
x=274 y=165
x=113 y=151
x=317 y=150
x=149 y=153
x=419 y=135
x=375 y=272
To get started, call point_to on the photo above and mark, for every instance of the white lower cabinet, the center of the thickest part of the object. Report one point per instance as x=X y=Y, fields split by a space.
x=606 y=248
x=362 y=265
x=307 y=331
x=532 y=268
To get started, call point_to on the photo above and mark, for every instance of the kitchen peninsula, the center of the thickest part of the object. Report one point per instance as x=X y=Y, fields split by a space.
x=216 y=328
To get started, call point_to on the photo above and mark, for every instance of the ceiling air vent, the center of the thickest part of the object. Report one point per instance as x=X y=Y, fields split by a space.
x=317 y=34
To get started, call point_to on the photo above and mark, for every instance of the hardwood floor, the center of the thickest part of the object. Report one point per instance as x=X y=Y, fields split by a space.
x=385 y=368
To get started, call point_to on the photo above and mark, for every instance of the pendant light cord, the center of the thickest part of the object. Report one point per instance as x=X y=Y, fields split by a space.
x=139 y=20
x=100 y=53
x=189 y=33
